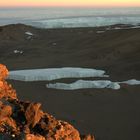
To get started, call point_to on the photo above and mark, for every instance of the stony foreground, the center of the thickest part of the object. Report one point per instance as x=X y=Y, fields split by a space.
x=26 y=121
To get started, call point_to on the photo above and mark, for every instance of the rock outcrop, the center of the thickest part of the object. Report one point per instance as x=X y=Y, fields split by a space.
x=26 y=121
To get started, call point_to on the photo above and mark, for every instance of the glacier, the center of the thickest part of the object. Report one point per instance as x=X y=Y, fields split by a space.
x=86 y=21
x=84 y=84
x=70 y=17
x=50 y=74
x=54 y=73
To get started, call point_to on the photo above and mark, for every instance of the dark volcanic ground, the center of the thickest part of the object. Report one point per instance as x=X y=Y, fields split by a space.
x=109 y=114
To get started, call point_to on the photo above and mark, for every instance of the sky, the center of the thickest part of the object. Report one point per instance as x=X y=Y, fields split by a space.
x=70 y=3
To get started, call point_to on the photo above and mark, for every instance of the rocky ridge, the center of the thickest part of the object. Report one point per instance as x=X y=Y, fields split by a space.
x=20 y=120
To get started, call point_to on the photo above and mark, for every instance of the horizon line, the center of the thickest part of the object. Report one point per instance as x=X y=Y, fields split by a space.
x=27 y=6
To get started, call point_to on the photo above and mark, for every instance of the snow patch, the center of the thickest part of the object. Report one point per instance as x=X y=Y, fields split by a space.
x=29 y=33
x=131 y=82
x=54 y=73
x=123 y=28
x=18 y=51
x=82 y=84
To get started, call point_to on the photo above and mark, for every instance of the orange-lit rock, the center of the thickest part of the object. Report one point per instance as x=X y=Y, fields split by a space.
x=33 y=114
x=25 y=120
x=6 y=90
x=66 y=131
x=3 y=72
x=33 y=137
x=5 y=118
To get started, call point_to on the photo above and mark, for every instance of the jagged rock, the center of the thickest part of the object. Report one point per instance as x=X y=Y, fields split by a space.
x=6 y=91
x=33 y=114
x=66 y=131
x=26 y=121
x=3 y=72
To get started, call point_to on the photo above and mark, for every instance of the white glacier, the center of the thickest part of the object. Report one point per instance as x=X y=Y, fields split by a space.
x=54 y=73
x=69 y=72
x=84 y=84
x=86 y=21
